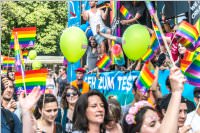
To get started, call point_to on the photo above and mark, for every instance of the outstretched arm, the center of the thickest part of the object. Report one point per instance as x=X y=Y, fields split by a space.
x=27 y=103
x=170 y=121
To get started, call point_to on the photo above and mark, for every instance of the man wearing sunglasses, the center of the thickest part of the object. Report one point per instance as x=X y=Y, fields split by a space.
x=79 y=84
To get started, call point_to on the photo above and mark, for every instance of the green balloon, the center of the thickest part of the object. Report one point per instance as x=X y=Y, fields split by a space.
x=36 y=65
x=136 y=39
x=32 y=54
x=73 y=44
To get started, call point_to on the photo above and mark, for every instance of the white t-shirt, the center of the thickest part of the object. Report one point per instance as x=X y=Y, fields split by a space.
x=94 y=20
x=195 y=122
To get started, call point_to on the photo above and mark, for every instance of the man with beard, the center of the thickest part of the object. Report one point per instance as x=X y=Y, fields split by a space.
x=7 y=94
x=81 y=85
x=10 y=123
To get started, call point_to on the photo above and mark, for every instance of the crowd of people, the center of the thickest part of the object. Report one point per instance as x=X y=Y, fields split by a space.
x=74 y=107
x=89 y=111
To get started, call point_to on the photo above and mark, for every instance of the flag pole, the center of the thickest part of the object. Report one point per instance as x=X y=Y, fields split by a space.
x=154 y=15
x=18 y=48
x=23 y=78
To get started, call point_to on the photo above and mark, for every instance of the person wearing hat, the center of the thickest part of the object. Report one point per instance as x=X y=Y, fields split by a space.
x=193 y=118
x=81 y=85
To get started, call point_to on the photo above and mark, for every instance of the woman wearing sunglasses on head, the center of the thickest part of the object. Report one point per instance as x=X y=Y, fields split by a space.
x=68 y=101
x=45 y=113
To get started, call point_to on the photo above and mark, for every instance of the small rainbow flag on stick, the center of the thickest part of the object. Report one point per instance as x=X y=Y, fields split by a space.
x=188 y=31
x=104 y=63
x=157 y=32
x=33 y=78
x=26 y=37
x=25 y=54
x=146 y=78
x=8 y=61
x=125 y=12
x=148 y=55
x=154 y=42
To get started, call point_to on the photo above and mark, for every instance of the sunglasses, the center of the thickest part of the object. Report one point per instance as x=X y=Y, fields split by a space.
x=72 y=94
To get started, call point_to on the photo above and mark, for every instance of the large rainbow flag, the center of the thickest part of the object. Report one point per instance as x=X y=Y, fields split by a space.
x=26 y=37
x=33 y=78
x=192 y=73
x=146 y=78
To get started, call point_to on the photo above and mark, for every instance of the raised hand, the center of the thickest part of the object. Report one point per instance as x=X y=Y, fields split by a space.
x=177 y=79
x=29 y=101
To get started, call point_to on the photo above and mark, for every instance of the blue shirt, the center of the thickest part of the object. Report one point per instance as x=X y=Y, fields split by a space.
x=5 y=128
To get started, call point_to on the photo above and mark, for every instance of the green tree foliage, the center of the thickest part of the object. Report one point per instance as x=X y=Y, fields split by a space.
x=50 y=18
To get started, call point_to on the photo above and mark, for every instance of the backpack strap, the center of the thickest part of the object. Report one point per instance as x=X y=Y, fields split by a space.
x=9 y=119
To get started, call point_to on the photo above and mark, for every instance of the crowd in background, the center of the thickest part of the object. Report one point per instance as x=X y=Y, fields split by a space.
x=74 y=107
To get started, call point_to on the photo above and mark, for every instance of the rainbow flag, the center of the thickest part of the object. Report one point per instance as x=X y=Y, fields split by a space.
x=125 y=12
x=146 y=78
x=189 y=56
x=150 y=7
x=33 y=78
x=19 y=62
x=190 y=46
x=148 y=55
x=8 y=61
x=154 y=42
x=184 y=65
x=188 y=31
x=104 y=63
x=25 y=54
x=194 y=68
x=157 y=32
x=187 y=59
x=26 y=37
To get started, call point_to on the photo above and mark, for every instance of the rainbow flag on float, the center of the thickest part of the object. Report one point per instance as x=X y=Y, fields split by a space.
x=125 y=12
x=146 y=78
x=26 y=37
x=104 y=63
x=8 y=62
x=33 y=78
